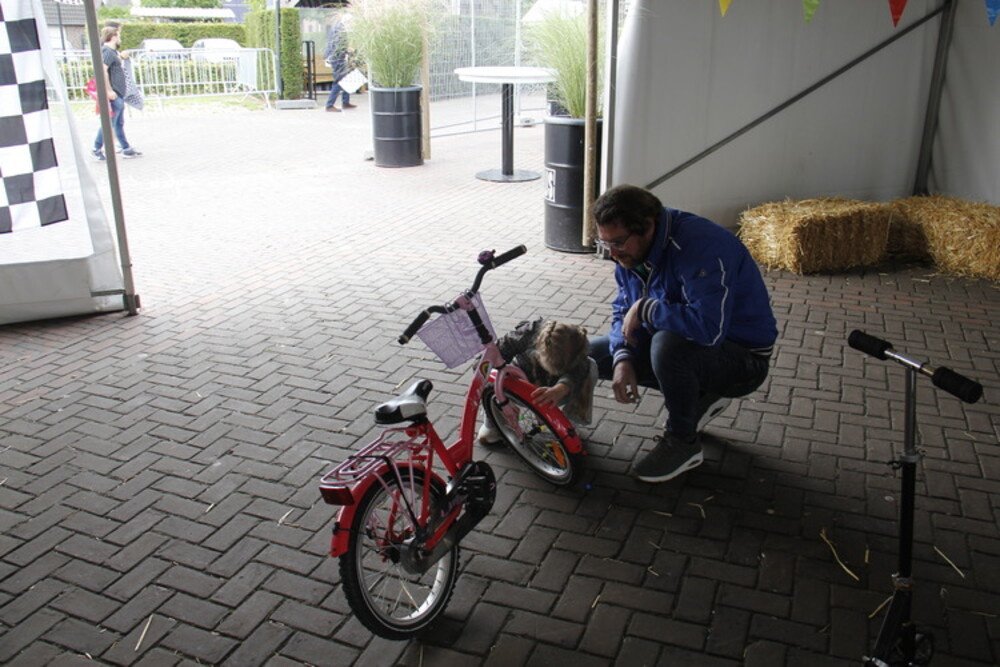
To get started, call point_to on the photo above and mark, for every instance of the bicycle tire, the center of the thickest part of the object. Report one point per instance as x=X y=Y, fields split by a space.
x=388 y=600
x=542 y=448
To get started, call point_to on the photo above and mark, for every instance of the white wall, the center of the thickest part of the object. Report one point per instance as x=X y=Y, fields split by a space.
x=689 y=77
x=966 y=159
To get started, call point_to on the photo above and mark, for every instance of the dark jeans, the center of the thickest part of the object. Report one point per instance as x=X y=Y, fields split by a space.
x=685 y=372
x=117 y=125
x=335 y=91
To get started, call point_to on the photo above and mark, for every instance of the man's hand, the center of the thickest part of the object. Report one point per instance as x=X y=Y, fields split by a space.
x=550 y=395
x=631 y=324
x=112 y=95
x=624 y=382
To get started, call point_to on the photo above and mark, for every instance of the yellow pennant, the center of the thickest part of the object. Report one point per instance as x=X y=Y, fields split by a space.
x=724 y=6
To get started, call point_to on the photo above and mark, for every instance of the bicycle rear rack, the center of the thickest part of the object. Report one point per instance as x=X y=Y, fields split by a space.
x=337 y=486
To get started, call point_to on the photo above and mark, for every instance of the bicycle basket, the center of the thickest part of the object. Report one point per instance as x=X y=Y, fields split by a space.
x=453 y=338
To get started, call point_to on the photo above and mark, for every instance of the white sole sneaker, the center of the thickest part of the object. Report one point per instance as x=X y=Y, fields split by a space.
x=713 y=411
x=668 y=459
x=489 y=436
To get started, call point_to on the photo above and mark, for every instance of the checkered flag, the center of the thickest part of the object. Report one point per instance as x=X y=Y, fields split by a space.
x=31 y=194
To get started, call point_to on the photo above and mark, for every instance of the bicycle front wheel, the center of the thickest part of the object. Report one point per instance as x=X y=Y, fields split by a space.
x=389 y=600
x=534 y=439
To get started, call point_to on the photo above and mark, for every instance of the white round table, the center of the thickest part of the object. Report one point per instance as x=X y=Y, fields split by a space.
x=507 y=77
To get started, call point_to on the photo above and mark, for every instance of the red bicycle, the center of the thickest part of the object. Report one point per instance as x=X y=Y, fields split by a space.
x=407 y=499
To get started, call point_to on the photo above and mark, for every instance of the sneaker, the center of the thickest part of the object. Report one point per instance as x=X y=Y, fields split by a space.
x=669 y=458
x=130 y=153
x=488 y=435
x=99 y=154
x=711 y=406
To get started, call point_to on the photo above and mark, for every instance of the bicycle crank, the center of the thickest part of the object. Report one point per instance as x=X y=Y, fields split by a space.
x=475 y=488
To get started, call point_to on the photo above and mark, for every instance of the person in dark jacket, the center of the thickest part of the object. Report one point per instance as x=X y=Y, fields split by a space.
x=335 y=56
x=554 y=357
x=692 y=318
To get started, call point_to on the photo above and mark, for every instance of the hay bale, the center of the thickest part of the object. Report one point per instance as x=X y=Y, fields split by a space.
x=813 y=235
x=907 y=238
x=963 y=237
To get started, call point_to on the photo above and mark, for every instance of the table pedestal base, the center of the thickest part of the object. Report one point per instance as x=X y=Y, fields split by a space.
x=518 y=176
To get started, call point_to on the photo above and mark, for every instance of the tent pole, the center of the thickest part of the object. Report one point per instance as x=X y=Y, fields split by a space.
x=610 y=84
x=934 y=98
x=131 y=299
x=590 y=124
x=795 y=98
x=277 y=48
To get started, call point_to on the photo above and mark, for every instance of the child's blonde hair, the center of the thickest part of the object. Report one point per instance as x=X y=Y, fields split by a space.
x=561 y=346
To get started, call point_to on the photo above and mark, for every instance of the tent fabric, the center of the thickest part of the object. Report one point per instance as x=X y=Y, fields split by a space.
x=687 y=78
x=896 y=9
x=55 y=270
x=965 y=162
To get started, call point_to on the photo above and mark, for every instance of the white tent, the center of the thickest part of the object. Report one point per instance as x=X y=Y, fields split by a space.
x=708 y=110
x=50 y=265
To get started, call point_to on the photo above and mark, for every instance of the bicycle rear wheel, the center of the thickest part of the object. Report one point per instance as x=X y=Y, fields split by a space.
x=538 y=443
x=389 y=600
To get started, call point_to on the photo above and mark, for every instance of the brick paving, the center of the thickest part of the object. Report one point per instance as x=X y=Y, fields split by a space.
x=158 y=493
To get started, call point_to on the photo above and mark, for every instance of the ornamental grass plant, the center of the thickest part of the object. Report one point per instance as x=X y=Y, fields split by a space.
x=559 y=41
x=389 y=36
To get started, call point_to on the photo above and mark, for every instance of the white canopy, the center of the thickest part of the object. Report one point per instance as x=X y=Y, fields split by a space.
x=688 y=78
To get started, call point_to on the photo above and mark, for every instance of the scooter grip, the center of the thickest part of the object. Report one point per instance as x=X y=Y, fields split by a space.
x=957 y=385
x=876 y=347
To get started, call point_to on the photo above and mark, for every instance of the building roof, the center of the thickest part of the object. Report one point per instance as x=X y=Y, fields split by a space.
x=182 y=13
x=72 y=13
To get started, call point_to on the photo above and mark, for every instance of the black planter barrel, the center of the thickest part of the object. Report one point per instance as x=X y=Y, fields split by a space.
x=396 y=126
x=564 y=155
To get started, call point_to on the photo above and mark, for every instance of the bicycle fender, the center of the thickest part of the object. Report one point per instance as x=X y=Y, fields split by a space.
x=340 y=541
x=553 y=415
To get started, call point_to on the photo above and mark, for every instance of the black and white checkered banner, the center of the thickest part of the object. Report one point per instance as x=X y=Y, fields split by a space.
x=31 y=194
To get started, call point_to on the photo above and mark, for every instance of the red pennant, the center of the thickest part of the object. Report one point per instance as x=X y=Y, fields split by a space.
x=896 y=7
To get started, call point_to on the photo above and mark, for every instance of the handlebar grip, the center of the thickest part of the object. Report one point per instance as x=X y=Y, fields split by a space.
x=414 y=327
x=513 y=253
x=876 y=347
x=957 y=385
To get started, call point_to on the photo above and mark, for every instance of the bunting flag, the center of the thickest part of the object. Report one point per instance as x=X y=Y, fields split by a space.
x=30 y=188
x=809 y=6
x=896 y=7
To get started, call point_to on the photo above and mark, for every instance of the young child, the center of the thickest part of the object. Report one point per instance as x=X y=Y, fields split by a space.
x=554 y=357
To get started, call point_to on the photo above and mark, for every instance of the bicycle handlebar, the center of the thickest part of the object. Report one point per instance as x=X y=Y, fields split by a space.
x=489 y=262
x=954 y=383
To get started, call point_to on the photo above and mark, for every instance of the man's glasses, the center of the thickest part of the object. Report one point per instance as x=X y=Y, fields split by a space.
x=617 y=245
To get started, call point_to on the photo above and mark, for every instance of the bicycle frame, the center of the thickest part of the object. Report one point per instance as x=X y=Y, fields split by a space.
x=422 y=446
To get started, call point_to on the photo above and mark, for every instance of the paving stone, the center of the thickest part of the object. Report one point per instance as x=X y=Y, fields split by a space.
x=168 y=447
x=80 y=637
x=198 y=644
x=313 y=650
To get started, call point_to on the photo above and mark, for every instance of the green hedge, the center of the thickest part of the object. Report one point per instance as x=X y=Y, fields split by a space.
x=260 y=34
x=200 y=4
x=186 y=33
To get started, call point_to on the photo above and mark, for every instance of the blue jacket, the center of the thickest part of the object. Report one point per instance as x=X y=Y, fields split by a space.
x=702 y=284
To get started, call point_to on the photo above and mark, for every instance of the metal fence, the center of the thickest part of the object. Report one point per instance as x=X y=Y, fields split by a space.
x=181 y=73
